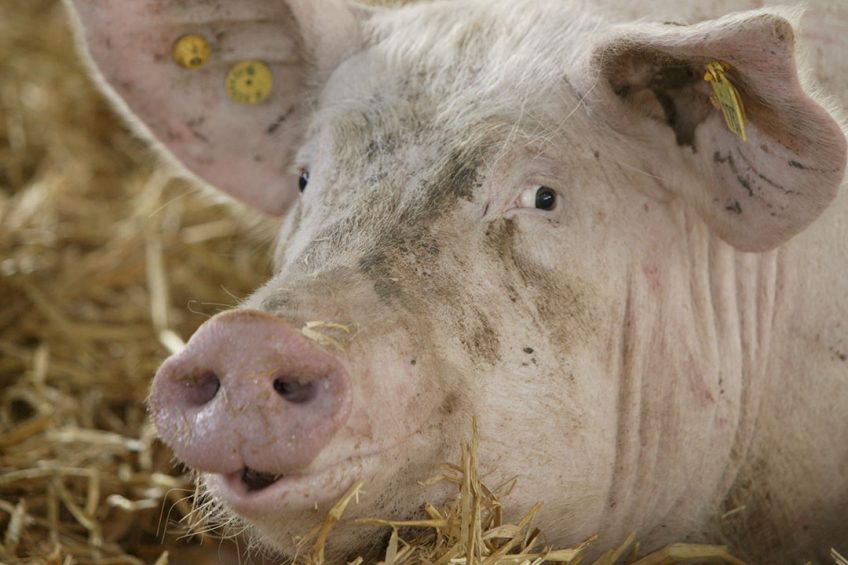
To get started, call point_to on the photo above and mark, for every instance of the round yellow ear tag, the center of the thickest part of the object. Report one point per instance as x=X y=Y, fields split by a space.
x=250 y=82
x=192 y=51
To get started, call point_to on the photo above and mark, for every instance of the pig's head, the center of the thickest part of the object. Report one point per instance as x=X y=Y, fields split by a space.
x=494 y=199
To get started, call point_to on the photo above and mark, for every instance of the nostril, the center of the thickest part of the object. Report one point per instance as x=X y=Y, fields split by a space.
x=202 y=389
x=294 y=391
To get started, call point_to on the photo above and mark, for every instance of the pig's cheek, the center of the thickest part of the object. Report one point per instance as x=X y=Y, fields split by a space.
x=390 y=404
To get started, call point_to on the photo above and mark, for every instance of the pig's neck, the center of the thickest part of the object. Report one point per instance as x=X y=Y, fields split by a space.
x=696 y=338
x=794 y=467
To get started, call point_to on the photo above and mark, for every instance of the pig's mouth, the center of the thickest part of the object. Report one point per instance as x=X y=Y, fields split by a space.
x=256 y=481
x=255 y=493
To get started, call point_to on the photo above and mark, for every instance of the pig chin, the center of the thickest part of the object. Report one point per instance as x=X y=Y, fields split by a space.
x=257 y=496
x=286 y=509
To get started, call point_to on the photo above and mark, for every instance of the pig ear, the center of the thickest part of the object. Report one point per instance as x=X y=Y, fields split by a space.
x=647 y=82
x=224 y=86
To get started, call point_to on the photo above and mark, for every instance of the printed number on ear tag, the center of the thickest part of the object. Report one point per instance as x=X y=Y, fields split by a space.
x=192 y=51
x=250 y=82
x=726 y=98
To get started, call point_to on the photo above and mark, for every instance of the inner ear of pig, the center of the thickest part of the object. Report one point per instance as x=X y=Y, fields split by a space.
x=664 y=89
x=648 y=82
x=242 y=145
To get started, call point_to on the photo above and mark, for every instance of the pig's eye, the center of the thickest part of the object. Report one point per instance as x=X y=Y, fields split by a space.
x=303 y=181
x=539 y=197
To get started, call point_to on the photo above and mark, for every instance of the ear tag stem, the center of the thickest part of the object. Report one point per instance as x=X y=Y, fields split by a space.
x=726 y=98
x=191 y=51
x=249 y=82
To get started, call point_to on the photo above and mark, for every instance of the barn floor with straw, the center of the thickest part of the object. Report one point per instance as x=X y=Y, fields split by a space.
x=106 y=259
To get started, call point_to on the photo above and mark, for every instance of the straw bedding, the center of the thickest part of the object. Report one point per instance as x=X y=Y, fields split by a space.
x=106 y=262
x=88 y=228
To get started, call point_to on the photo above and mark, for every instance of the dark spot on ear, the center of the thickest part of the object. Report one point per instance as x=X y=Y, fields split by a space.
x=172 y=136
x=528 y=350
x=762 y=177
x=736 y=208
x=194 y=126
x=745 y=184
x=413 y=362
x=722 y=159
x=279 y=121
x=797 y=165
x=597 y=154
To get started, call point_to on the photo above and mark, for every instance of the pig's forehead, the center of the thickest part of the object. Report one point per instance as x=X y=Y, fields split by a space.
x=438 y=84
x=497 y=33
x=455 y=62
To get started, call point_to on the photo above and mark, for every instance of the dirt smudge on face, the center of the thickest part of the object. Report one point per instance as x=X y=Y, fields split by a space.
x=478 y=337
x=450 y=404
x=560 y=306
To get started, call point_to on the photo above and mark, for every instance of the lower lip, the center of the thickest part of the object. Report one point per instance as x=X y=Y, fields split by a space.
x=288 y=493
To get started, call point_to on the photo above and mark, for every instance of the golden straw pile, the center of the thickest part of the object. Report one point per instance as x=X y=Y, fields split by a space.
x=88 y=229
x=106 y=262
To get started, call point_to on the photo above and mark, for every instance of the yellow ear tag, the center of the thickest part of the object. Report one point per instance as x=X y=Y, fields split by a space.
x=726 y=98
x=192 y=51
x=250 y=82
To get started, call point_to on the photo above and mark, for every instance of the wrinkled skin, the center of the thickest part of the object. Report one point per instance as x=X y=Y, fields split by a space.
x=666 y=345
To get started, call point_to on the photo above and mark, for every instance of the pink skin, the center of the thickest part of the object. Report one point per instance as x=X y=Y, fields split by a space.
x=657 y=325
x=249 y=391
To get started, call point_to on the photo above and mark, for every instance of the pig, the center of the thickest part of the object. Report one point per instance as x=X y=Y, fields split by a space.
x=525 y=212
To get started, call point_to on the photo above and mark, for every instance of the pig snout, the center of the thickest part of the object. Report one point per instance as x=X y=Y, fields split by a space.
x=249 y=394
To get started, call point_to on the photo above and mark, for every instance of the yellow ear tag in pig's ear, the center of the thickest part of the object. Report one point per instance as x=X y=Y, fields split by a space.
x=726 y=98
x=192 y=51
x=249 y=82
